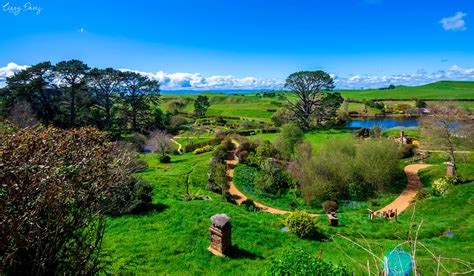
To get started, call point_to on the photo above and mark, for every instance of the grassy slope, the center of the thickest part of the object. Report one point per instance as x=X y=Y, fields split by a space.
x=253 y=107
x=437 y=90
x=173 y=239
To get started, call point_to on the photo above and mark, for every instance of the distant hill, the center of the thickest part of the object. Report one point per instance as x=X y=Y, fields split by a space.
x=436 y=90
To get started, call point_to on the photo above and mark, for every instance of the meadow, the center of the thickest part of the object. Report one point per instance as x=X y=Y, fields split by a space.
x=172 y=238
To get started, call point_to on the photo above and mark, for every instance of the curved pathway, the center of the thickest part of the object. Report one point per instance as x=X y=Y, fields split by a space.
x=401 y=203
x=180 y=151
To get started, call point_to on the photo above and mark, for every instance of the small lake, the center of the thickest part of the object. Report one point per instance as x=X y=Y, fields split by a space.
x=383 y=123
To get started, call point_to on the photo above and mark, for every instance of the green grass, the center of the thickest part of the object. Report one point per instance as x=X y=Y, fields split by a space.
x=315 y=137
x=437 y=90
x=173 y=239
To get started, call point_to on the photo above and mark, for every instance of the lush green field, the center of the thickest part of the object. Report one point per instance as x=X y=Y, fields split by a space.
x=253 y=106
x=437 y=90
x=173 y=238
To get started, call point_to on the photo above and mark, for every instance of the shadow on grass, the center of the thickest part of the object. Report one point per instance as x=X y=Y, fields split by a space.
x=239 y=253
x=148 y=208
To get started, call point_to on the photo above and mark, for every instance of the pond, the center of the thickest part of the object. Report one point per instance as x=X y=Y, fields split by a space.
x=383 y=123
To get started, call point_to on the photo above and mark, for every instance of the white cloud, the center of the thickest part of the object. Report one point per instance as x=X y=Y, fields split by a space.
x=176 y=81
x=455 y=72
x=454 y=23
x=9 y=70
x=196 y=81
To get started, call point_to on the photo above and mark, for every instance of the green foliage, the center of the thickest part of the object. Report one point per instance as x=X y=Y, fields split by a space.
x=301 y=224
x=295 y=261
x=291 y=136
x=56 y=187
x=249 y=205
x=164 y=159
x=329 y=205
x=204 y=149
x=441 y=185
x=309 y=87
x=282 y=116
x=137 y=140
x=346 y=169
x=272 y=178
x=408 y=150
x=201 y=104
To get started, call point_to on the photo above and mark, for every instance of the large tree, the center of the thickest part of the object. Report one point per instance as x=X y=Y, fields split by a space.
x=139 y=92
x=309 y=88
x=72 y=78
x=34 y=85
x=447 y=128
x=105 y=83
x=201 y=104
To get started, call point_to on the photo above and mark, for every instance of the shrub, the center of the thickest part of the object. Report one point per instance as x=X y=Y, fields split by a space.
x=374 y=202
x=137 y=140
x=295 y=261
x=249 y=205
x=56 y=187
x=423 y=193
x=301 y=224
x=165 y=159
x=407 y=151
x=273 y=178
x=204 y=149
x=329 y=206
x=441 y=185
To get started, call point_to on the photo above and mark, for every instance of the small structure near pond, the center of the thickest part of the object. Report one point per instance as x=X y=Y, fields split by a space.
x=221 y=235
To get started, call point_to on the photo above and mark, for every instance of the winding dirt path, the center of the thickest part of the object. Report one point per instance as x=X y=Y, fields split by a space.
x=401 y=203
x=180 y=147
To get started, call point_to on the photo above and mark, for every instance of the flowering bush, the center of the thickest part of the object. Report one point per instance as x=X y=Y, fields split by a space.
x=203 y=149
x=300 y=224
x=441 y=185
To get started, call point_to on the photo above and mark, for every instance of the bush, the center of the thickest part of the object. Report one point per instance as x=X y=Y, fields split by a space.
x=164 y=159
x=137 y=140
x=56 y=187
x=301 y=224
x=374 y=202
x=273 y=178
x=329 y=206
x=295 y=261
x=204 y=149
x=249 y=205
x=441 y=185
x=423 y=193
x=408 y=150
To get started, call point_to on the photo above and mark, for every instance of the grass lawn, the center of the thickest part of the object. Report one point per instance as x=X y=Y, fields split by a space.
x=173 y=238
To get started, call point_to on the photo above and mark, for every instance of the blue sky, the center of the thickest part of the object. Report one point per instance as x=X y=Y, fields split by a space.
x=252 y=43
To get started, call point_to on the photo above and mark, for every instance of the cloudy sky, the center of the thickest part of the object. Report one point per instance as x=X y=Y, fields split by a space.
x=246 y=44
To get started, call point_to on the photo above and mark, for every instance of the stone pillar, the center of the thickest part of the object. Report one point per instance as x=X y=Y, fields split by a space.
x=449 y=169
x=221 y=235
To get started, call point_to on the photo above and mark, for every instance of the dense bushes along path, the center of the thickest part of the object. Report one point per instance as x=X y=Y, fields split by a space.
x=401 y=203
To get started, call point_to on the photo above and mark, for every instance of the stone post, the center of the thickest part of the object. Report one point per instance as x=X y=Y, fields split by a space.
x=449 y=169
x=221 y=235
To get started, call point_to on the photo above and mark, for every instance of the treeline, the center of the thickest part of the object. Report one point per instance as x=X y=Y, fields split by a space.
x=71 y=94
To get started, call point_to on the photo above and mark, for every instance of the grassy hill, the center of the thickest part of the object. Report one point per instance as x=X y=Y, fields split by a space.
x=254 y=106
x=437 y=90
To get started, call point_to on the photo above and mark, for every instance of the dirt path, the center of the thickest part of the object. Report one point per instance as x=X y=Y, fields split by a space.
x=180 y=147
x=400 y=203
